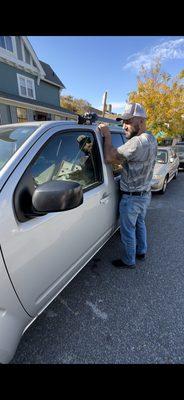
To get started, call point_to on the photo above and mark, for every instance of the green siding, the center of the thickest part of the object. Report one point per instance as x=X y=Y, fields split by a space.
x=48 y=93
x=45 y=92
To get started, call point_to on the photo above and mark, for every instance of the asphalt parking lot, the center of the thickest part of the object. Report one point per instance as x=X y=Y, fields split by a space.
x=112 y=316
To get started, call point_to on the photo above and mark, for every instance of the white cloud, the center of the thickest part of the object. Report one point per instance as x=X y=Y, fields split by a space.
x=170 y=50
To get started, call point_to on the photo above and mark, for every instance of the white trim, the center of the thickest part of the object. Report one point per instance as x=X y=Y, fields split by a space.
x=10 y=59
x=33 y=86
x=53 y=83
x=33 y=54
x=16 y=103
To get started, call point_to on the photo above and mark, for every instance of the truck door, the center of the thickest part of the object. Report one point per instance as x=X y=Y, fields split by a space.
x=43 y=254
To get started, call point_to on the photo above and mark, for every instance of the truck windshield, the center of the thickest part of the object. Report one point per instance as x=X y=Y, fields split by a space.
x=11 y=139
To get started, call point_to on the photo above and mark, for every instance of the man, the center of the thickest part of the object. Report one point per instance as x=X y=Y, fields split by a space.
x=137 y=156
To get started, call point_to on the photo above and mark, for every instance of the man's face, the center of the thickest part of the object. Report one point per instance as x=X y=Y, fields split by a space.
x=131 y=127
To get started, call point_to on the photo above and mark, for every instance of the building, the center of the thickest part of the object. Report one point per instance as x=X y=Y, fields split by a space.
x=29 y=88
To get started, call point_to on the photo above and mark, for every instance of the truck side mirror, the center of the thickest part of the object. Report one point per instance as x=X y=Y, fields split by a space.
x=55 y=196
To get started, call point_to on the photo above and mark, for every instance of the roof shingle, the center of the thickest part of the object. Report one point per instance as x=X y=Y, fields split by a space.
x=51 y=75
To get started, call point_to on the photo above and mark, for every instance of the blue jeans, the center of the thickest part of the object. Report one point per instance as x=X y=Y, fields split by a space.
x=132 y=225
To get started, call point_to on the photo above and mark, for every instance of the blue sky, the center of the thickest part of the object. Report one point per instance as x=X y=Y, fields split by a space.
x=90 y=65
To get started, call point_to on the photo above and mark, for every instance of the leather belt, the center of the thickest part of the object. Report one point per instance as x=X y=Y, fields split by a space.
x=135 y=193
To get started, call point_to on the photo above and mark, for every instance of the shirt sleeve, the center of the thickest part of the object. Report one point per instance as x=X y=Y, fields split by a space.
x=130 y=150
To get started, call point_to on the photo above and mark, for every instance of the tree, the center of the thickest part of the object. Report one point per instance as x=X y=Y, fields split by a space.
x=78 y=106
x=163 y=99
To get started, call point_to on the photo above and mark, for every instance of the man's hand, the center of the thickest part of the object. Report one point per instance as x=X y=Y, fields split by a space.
x=104 y=130
x=111 y=154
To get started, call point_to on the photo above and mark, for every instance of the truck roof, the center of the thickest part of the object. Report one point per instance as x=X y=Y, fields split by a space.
x=59 y=123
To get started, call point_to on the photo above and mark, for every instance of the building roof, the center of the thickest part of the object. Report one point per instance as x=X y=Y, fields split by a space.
x=50 y=74
x=34 y=102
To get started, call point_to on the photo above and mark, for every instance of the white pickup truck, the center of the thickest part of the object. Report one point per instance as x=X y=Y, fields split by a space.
x=58 y=207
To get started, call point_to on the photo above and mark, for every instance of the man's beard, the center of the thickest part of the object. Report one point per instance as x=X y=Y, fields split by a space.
x=134 y=132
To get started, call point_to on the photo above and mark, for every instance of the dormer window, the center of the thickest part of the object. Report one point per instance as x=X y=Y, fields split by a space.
x=6 y=43
x=26 y=87
x=27 y=56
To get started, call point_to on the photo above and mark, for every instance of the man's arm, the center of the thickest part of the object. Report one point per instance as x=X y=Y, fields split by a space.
x=111 y=154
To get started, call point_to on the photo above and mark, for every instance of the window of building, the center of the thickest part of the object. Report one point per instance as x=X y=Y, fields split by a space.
x=22 y=82
x=19 y=47
x=6 y=43
x=21 y=114
x=26 y=86
x=27 y=56
x=57 y=117
x=30 y=88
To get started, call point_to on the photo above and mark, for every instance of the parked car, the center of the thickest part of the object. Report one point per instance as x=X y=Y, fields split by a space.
x=166 y=168
x=53 y=192
x=179 y=149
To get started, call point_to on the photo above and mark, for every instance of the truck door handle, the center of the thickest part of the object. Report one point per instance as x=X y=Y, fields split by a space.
x=105 y=198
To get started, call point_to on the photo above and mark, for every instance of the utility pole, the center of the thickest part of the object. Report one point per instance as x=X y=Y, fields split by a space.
x=104 y=103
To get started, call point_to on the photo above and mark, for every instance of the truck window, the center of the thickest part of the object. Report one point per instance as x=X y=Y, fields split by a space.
x=69 y=156
x=117 y=141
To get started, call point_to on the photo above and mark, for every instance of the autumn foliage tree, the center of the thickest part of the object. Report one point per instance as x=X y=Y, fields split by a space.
x=163 y=99
x=78 y=106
